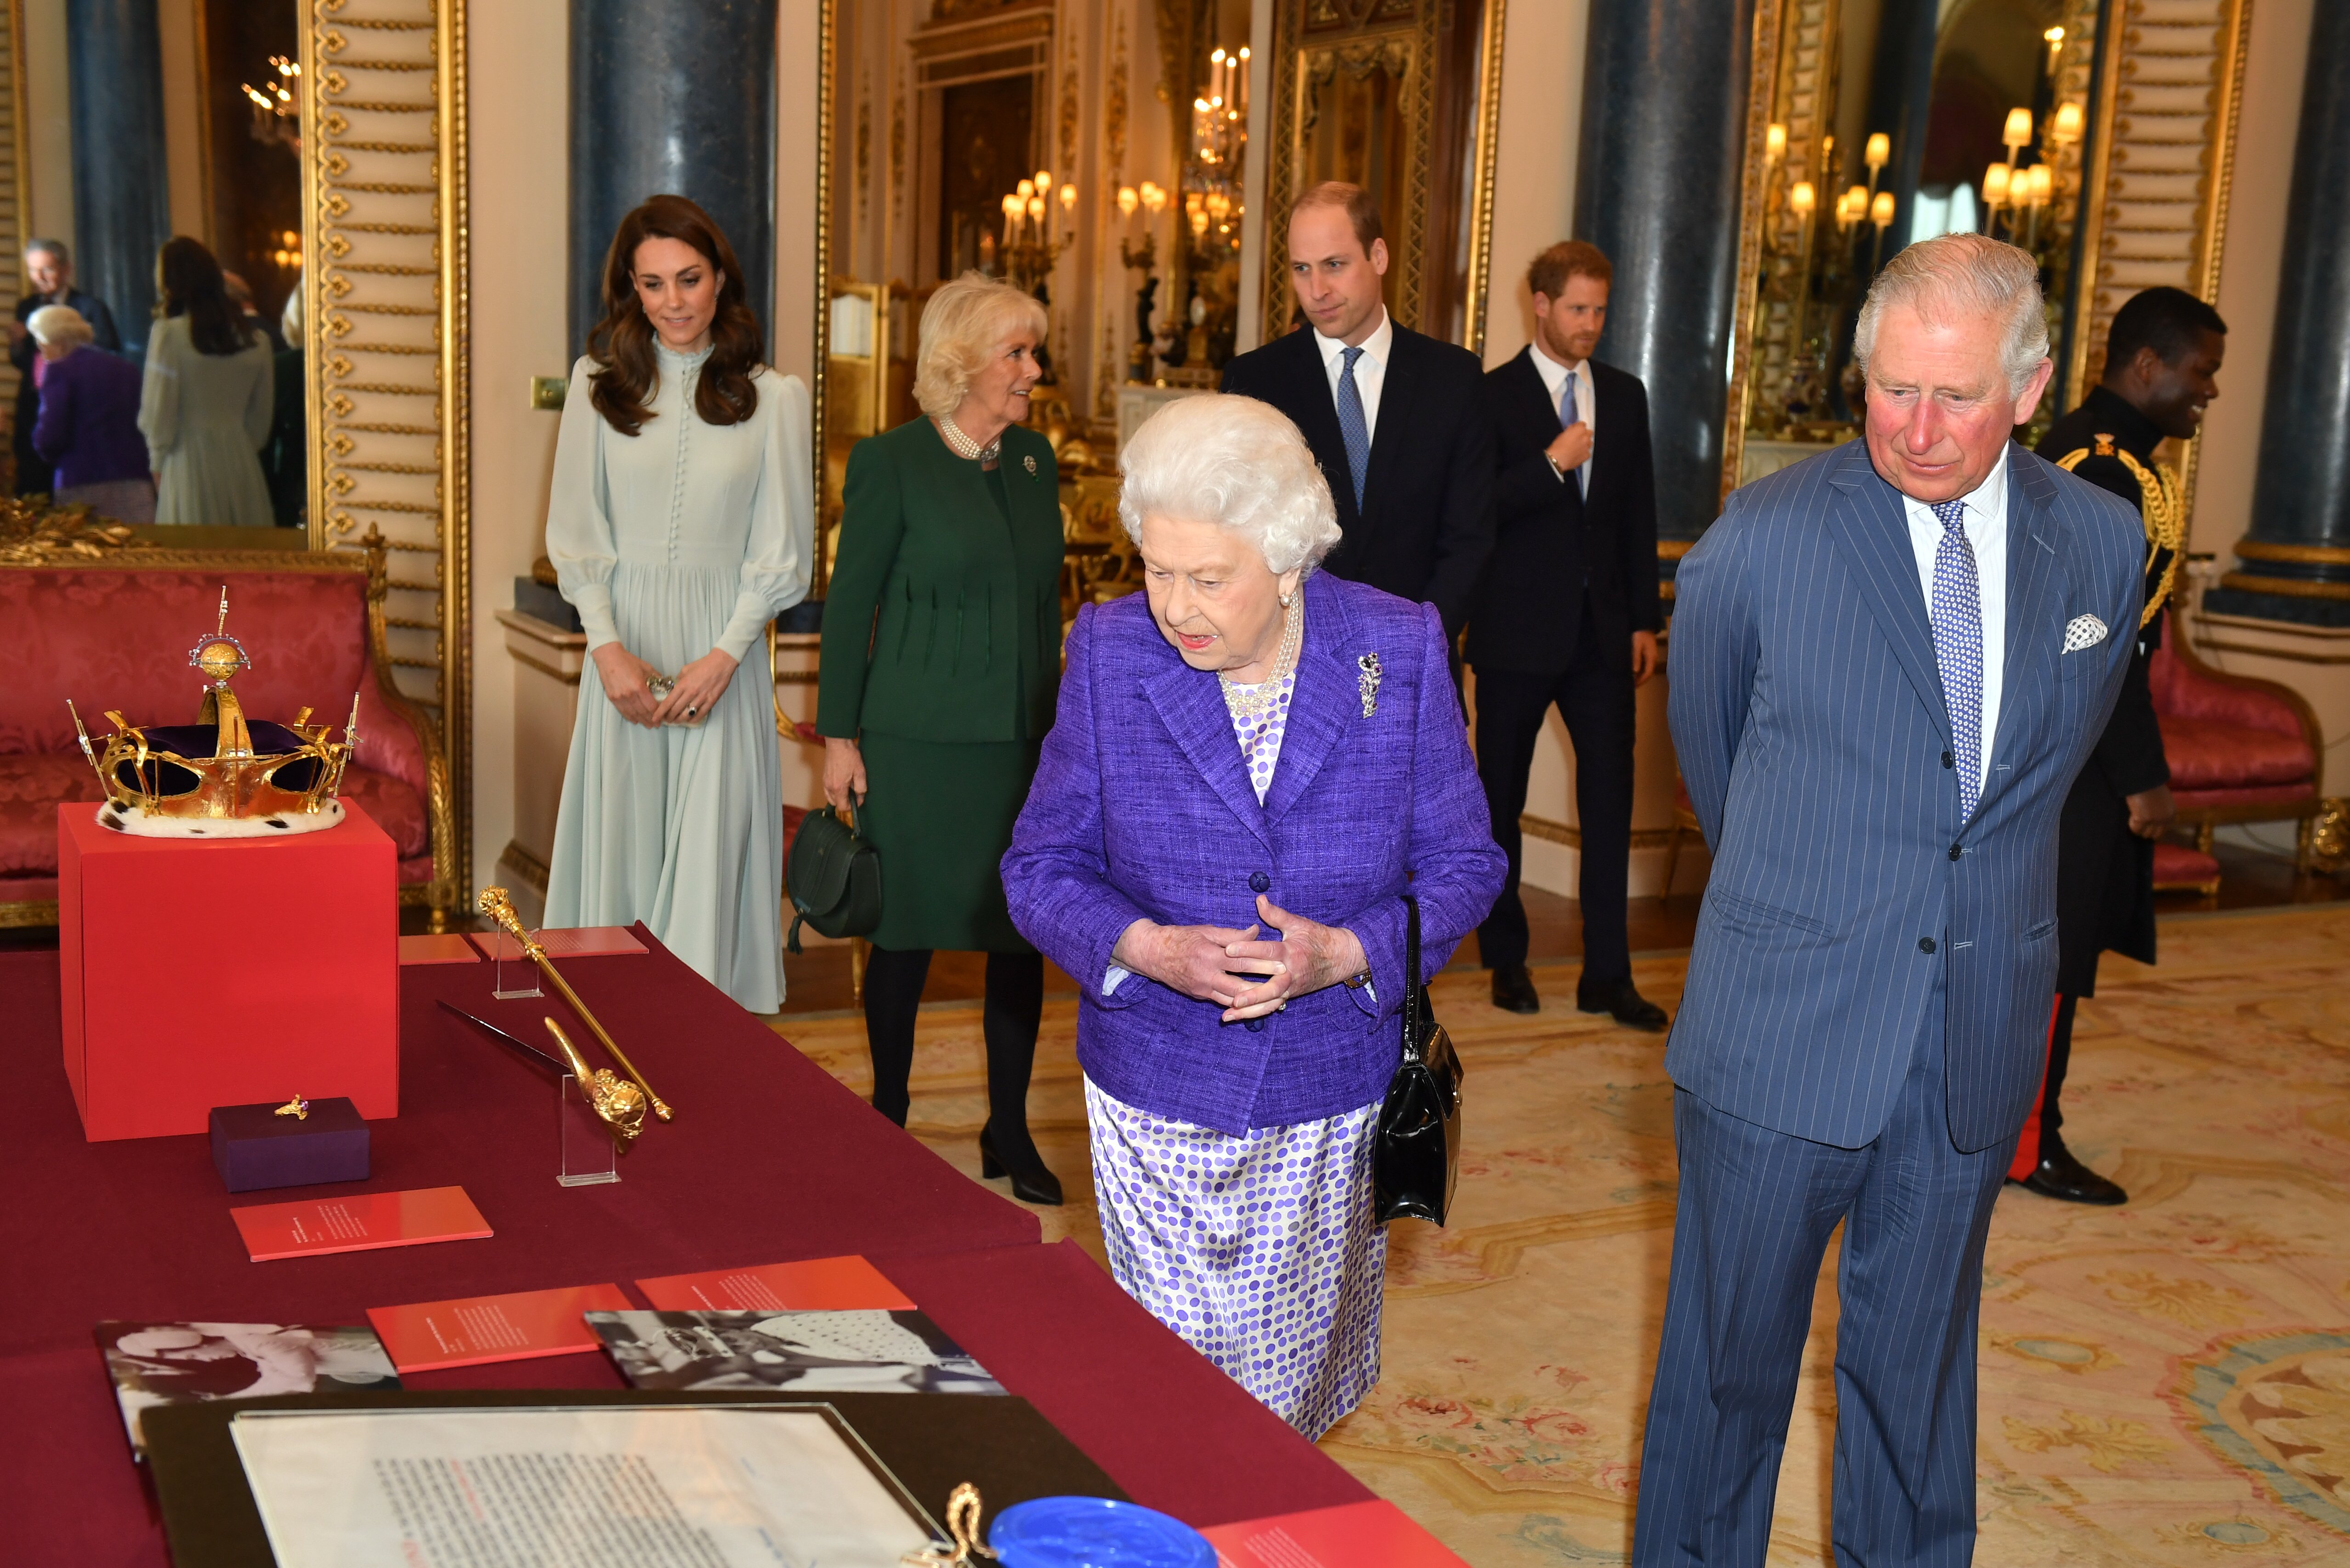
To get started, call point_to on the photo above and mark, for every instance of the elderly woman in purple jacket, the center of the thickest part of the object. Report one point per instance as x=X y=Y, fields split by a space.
x=1249 y=766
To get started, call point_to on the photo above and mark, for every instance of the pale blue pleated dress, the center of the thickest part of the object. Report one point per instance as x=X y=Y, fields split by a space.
x=683 y=538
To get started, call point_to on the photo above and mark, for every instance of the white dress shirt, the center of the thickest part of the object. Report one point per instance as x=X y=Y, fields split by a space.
x=1370 y=368
x=1985 y=520
x=1586 y=399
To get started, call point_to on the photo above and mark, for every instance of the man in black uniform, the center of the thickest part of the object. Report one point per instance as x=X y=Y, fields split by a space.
x=2162 y=355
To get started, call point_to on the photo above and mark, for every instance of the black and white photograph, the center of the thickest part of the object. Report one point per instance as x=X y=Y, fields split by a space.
x=808 y=1352
x=175 y=1363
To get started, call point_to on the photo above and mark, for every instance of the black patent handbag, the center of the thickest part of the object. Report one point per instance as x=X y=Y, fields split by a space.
x=1416 y=1152
x=834 y=878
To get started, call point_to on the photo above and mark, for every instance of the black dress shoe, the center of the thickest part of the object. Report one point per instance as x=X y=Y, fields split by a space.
x=1630 y=1007
x=2060 y=1175
x=1031 y=1182
x=1513 y=990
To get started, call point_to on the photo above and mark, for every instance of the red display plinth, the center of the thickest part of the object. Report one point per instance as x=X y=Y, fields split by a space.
x=197 y=974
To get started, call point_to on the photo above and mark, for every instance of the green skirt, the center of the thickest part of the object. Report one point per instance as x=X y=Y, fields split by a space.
x=940 y=813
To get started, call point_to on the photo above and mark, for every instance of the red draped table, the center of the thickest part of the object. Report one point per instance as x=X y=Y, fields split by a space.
x=769 y=1160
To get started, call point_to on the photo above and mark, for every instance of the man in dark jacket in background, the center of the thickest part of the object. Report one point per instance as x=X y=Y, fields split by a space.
x=1567 y=613
x=48 y=280
x=2162 y=356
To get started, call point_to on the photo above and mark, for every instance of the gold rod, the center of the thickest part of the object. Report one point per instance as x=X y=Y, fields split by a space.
x=563 y=989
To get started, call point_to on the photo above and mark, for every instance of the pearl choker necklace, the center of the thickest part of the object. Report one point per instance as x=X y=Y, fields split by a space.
x=964 y=446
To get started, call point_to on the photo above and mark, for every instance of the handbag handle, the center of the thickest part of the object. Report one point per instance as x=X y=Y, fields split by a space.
x=1415 y=996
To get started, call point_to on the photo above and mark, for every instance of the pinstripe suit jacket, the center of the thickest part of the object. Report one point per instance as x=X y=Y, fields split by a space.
x=1808 y=712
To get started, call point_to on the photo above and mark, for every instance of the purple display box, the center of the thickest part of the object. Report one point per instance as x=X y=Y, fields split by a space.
x=254 y=1146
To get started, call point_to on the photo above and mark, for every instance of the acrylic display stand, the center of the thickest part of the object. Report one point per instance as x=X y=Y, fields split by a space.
x=512 y=977
x=589 y=1156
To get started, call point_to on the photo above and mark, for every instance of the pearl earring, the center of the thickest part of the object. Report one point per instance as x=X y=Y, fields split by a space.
x=1284 y=601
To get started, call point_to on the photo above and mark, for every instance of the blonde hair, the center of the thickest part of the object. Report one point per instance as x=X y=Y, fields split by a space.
x=1236 y=462
x=1969 y=273
x=58 y=323
x=961 y=326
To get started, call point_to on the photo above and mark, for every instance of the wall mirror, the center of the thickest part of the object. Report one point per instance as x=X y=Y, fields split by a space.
x=2101 y=148
x=319 y=154
x=1112 y=157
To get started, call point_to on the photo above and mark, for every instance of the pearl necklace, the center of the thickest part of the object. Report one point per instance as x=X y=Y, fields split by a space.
x=964 y=446
x=1261 y=699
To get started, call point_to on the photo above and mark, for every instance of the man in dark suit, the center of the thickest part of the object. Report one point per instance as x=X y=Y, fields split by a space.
x=1393 y=417
x=48 y=275
x=1889 y=663
x=1567 y=613
x=2162 y=357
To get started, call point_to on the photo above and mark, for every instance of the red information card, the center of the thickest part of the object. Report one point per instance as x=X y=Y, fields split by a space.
x=566 y=941
x=471 y=1330
x=1354 y=1535
x=359 y=1224
x=819 y=1284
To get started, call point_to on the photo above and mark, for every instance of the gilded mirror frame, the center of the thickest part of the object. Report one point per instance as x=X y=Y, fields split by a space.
x=2155 y=170
x=383 y=319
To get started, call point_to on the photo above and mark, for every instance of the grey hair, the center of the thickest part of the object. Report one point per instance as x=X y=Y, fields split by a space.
x=58 y=323
x=54 y=247
x=1970 y=274
x=1238 y=463
x=961 y=326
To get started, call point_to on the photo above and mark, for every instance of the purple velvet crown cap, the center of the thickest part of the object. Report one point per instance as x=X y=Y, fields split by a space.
x=254 y=1146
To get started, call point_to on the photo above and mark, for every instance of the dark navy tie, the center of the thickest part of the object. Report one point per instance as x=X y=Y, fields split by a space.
x=1353 y=428
x=1958 y=647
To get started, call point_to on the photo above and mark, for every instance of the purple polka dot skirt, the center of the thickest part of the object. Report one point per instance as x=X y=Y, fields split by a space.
x=1259 y=1251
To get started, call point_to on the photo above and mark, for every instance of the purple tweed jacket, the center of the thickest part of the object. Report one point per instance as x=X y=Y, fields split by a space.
x=1141 y=809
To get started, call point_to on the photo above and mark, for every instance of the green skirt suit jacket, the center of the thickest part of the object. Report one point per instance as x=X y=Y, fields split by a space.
x=942 y=660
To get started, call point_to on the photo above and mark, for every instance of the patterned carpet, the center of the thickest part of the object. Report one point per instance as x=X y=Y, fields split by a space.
x=2167 y=1383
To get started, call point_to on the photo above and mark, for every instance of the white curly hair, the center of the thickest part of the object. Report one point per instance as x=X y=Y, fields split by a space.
x=1238 y=463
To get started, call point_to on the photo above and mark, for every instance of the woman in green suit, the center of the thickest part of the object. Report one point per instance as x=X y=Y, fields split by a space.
x=942 y=661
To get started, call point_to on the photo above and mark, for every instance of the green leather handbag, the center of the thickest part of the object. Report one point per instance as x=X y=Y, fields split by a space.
x=834 y=878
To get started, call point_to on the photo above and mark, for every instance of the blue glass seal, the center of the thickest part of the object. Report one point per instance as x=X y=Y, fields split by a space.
x=1095 y=1532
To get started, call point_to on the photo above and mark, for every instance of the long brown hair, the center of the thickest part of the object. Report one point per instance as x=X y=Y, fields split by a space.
x=623 y=343
x=187 y=283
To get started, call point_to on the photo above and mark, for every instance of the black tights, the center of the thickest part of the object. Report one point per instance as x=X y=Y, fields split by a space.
x=1015 y=1007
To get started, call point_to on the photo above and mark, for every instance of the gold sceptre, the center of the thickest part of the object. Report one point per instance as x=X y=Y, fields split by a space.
x=495 y=903
x=617 y=1103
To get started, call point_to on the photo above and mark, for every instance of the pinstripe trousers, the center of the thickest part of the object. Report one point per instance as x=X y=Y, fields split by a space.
x=1755 y=1213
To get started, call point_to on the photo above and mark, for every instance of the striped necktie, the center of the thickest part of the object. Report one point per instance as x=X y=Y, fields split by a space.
x=1957 y=615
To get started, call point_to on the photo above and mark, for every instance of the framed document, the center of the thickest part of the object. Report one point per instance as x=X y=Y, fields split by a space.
x=655 y=1486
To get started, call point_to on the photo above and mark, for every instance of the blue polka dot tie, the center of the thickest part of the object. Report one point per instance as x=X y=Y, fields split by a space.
x=1957 y=615
x=1353 y=428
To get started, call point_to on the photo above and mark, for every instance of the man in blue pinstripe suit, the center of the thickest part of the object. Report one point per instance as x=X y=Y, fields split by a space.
x=1889 y=662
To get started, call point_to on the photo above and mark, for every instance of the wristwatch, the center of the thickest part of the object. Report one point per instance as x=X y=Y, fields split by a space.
x=1359 y=978
x=1556 y=472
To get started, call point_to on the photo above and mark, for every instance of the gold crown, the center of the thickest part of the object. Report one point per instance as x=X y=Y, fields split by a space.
x=222 y=776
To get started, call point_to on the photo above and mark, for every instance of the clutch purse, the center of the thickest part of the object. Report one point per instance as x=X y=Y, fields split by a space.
x=834 y=878
x=1416 y=1151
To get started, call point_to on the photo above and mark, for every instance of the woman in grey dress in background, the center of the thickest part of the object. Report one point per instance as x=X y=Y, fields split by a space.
x=205 y=407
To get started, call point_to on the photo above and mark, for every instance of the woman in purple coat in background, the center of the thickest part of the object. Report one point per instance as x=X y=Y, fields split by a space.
x=88 y=431
x=1249 y=766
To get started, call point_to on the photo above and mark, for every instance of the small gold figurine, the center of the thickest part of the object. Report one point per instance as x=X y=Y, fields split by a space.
x=495 y=903
x=298 y=1107
x=617 y=1103
x=962 y=1519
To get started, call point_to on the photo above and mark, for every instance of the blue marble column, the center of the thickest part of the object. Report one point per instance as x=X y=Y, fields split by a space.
x=1662 y=160
x=121 y=179
x=680 y=98
x=2295 y=564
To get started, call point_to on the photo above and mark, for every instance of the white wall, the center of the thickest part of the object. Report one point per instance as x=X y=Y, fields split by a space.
x=2275 y=66
x=48 y=122
x=796 y=29
x=183 y=132
x=518 y=152
x=1534 y=174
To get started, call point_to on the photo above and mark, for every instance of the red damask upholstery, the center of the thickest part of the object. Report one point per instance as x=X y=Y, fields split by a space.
x=118 y=639
x=2241 y=750
x=2178 y=868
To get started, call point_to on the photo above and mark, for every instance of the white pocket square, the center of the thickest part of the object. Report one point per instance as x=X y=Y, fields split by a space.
x=2083 y=631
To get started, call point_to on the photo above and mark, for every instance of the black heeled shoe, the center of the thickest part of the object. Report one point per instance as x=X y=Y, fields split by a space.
x=1032 y=1185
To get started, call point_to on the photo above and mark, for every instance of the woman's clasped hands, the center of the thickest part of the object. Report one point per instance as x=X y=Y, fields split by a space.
x=630 y=682
x=1216 y=963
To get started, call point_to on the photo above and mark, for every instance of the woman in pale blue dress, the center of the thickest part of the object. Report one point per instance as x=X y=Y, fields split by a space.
x=682 y=521
x=205 y=404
